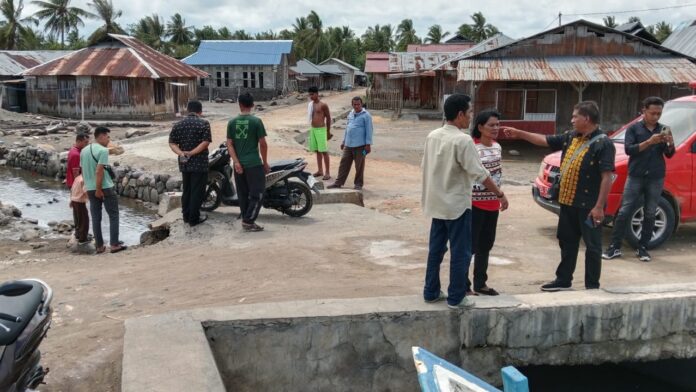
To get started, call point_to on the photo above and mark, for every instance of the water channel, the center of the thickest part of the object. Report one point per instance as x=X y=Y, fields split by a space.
x=47 y=200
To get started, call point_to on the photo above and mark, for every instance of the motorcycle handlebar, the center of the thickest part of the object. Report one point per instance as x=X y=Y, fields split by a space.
x=11 y=318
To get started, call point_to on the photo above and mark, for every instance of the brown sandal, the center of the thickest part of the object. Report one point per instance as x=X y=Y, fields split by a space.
x=101 y=249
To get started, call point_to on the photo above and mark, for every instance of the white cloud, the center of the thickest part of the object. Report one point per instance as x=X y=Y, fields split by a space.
x=516 y=19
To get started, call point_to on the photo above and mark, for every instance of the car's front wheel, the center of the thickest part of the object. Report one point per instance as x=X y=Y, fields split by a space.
x=665 y=221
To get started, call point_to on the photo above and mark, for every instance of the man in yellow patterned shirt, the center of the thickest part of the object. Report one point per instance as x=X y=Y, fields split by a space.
x=587 y=162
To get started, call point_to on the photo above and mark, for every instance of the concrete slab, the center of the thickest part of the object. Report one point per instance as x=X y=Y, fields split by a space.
x=169 y=201
x=335 y=196
x=562 y=328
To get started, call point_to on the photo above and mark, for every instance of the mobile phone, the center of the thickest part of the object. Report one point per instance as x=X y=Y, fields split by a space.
x=589 y=222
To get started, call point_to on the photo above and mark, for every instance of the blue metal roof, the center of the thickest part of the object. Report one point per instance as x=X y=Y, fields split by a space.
x=236 y=52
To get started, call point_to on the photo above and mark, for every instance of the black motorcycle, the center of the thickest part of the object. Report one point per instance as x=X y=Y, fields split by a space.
x=25 y=316
x=288 y=187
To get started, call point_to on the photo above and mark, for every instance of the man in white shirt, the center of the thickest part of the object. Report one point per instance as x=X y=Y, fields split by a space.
x=450 y=166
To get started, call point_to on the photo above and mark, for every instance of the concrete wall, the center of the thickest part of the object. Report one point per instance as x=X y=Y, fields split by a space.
x=275 y=79
x=365 y=344
x=130 y=183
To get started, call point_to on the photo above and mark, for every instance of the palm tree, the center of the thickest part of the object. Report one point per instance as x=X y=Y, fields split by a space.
x=661 y=30
x=342 y=42
x=242 y=35
x=151 y=31
x=479 y=30
x=60 y=17
x=31 y=39
x=316 y=36
x=205 y=33
x=104 y=10
x=14 y=25
x=435 y=34
x=177 y=31
x=406 y=34
x=286 y=34
x=300 y=31
x=224 y=33
x=379 y=38
x=610 y=21
x=266 y=35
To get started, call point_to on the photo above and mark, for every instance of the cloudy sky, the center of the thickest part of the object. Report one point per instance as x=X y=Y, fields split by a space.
x=517 y=18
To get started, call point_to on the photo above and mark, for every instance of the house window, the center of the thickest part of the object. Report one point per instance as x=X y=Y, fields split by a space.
x=253 y=79
x=227 y=79
x=159 y=92
x=66 y=88
x=527 y=105
x=245 y=76
x=119 y=92
x=202 y=82
x=260 y=79
x=219 y=79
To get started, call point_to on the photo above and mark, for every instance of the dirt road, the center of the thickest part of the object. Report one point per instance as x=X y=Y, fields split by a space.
x=337 y=251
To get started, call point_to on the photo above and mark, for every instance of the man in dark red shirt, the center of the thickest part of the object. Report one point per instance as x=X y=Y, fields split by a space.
x=80 y=215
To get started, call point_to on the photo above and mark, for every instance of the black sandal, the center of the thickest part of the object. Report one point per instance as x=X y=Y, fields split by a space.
x=487 y=291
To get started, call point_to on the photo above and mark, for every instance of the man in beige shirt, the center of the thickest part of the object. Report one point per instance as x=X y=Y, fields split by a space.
x=451 y=165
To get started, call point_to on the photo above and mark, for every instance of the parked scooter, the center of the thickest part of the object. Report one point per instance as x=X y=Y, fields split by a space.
x=25 y=317
x=288 y=186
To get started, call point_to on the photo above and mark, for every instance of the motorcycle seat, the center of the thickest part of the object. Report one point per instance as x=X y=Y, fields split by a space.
x=284 y=164
x=23 y=306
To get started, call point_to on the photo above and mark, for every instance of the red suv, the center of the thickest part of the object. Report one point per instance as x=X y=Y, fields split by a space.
x=678 y=202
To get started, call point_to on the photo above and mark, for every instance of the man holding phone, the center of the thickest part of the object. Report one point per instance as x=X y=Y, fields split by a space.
x=587 y=162
x=356 y=144
x=647 y=143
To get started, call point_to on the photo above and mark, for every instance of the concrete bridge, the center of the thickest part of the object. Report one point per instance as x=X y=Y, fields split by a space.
x=365 y=344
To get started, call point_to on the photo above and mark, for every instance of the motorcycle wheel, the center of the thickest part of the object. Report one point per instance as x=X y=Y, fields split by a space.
x=212 y=198
x=302 y=199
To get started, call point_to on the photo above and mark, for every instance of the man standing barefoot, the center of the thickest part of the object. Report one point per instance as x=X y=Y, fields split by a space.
x=320 y=132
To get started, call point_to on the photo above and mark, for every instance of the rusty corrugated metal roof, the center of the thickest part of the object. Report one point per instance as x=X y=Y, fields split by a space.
x=125 y=57
x=493 y=42
x=417 y=61
x=14 y=62
x=377 y=62
x=440 y=48
x=618 y=69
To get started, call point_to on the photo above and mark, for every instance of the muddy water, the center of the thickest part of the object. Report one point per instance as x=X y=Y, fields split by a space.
x=47 y=200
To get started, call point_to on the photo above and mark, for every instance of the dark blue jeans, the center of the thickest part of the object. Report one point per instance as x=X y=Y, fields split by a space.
x=458 y=233
x=645 y=191
x=110 y=203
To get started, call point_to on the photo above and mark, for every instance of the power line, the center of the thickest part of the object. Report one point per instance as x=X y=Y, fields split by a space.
x=549 y=25
x=632 y=11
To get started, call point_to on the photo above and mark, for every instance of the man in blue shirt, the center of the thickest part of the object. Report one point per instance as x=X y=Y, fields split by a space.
x=357 y=142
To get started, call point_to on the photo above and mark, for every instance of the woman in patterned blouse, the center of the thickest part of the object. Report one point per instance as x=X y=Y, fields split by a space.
x=485 y=204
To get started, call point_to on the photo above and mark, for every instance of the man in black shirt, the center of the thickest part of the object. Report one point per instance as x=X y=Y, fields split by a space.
x=587 y=162
x=189 y=140
x=647 y=146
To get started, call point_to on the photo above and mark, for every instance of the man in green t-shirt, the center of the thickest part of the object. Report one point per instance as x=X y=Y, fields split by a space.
x=246 y=136
x=94 y=159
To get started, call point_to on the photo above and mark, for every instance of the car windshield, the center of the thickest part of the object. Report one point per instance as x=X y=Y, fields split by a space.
x=680 y=116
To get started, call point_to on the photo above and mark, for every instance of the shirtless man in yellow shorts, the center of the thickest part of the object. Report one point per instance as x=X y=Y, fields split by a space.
x=320 y=132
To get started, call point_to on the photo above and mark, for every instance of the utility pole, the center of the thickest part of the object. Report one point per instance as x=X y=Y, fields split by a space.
x=560 y=15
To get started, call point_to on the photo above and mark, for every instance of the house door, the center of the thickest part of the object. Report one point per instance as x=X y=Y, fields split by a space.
x=426 y=93
x=175 y=94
